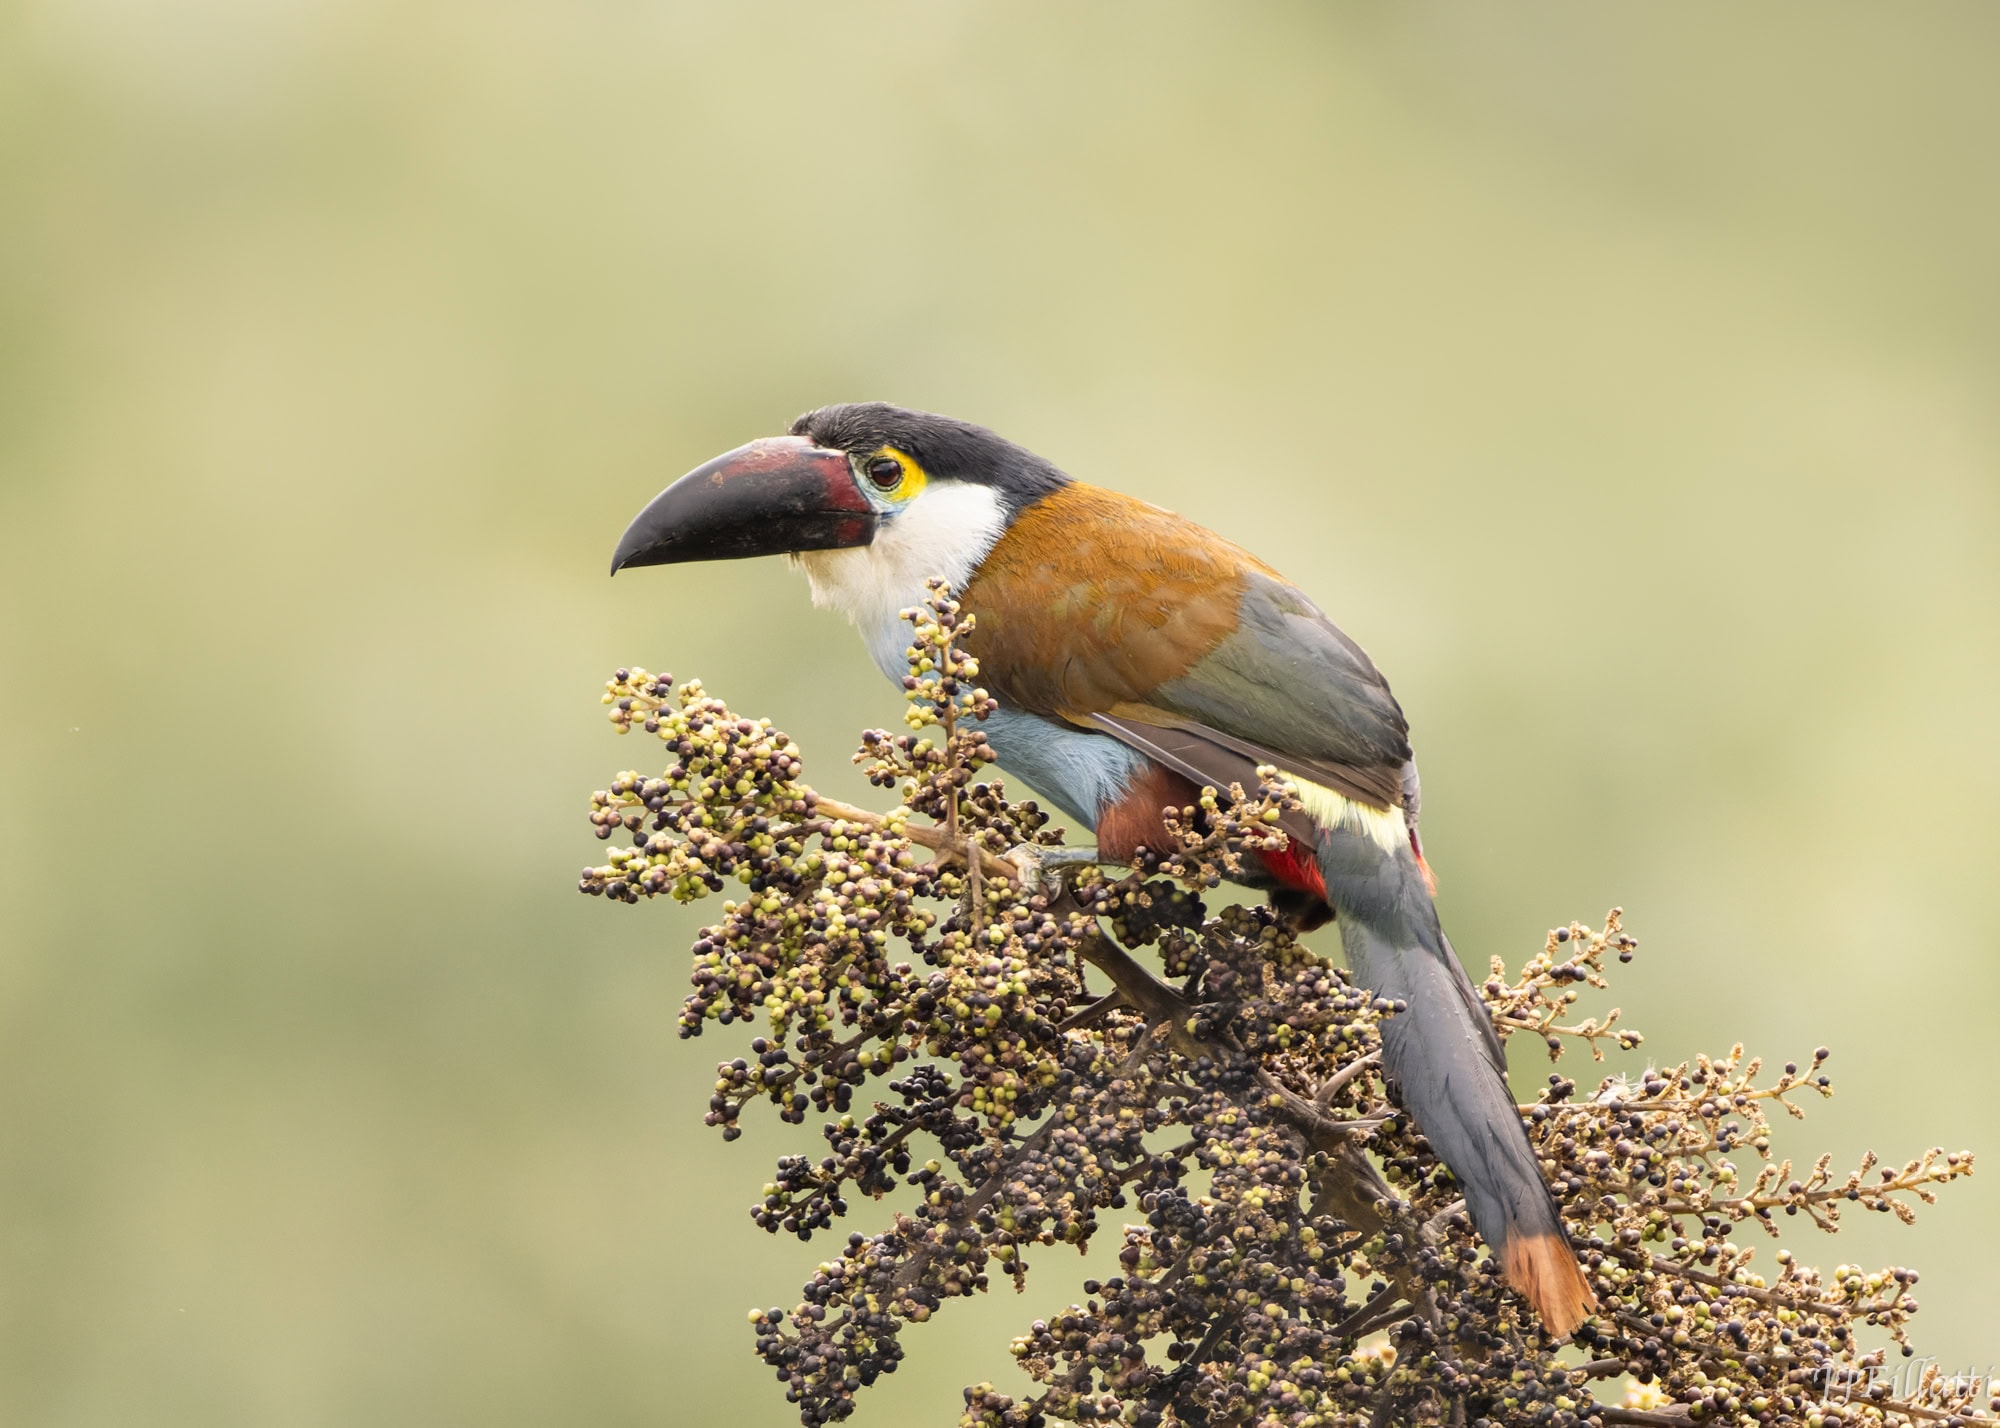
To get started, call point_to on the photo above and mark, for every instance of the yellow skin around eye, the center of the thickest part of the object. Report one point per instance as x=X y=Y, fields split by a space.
x=913 y=480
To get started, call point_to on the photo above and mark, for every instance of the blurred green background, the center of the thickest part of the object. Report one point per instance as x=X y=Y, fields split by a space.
x=1624 y=378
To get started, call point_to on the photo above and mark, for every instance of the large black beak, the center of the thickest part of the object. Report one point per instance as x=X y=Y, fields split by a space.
x=772 y=497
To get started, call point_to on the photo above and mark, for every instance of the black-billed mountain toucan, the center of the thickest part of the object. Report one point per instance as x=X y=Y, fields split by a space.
x=1137 y=657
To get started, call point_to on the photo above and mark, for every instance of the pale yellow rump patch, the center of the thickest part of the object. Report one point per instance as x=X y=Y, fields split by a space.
x=1385 y=826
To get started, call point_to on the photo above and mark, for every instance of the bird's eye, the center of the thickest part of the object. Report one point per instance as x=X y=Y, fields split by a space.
x=886 y=473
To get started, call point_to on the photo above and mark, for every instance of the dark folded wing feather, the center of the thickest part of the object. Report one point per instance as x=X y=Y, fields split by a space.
x=1196 y=755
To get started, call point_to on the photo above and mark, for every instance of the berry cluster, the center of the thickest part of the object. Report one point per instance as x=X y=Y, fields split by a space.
x=962 y=1009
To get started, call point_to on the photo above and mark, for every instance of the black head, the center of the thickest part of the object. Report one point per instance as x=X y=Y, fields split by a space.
x=839 y=476
x=945 y=448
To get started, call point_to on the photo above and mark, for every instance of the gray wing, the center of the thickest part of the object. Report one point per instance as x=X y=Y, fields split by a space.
x=1287 y=688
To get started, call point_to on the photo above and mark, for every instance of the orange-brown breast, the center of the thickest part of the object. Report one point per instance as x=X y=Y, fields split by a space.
x=1094 y=599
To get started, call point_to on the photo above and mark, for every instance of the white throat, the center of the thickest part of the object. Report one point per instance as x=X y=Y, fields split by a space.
x=946 y=531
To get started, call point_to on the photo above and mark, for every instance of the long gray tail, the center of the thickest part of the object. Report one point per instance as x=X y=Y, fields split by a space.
x=1445 y=1064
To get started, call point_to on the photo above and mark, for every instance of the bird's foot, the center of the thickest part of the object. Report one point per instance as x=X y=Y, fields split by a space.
x=1042 y=868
